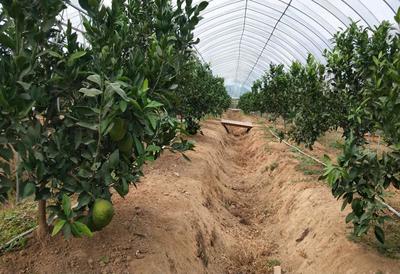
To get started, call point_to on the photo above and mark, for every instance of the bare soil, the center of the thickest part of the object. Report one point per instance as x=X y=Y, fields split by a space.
x=241 y=205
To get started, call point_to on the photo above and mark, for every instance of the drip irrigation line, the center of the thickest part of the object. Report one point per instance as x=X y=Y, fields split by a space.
x=7 y=244
x=390 y=208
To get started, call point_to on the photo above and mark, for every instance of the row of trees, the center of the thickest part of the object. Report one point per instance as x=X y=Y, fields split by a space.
x=84 y=119
x=201 y=93
x=357 y=90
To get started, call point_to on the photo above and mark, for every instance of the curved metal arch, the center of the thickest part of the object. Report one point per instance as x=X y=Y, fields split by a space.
x=318 y=22
x=391 y=5
x=291 y=56
x=356 y=11
x=369 y=11
x=217 y=7
x=306 y=25
x=228 y=62
x=231 y=76
x=268 y=39
x=250 y=49
x=335 y=12
x=267 y=60
x=308 y=38
x=241 y=36
x=246 y=57
x=278 y=58
x=280 y=30
x=221 y=47
x=305 y=48
x=281 y=47
x=289 y=26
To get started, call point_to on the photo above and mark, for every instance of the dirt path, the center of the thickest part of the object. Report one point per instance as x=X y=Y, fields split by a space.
x=239 y=206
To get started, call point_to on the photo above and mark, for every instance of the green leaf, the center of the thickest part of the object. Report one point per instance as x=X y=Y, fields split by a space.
x=159 y=51
x=202 y=6
x=75 y=56
x=123 y=105
x=379 y=234
x=83 y=229
x=90 y=92
x=153 y=148
x=66 y=205
x=116 y=88
x=153 y=104
x=58 y=226
x=397 y=16
x=67 y=230
x=173 y=87
x=29 y=189
x=138 y=145
x=114 y=158
x=25 y=86
x=54 y=54
x=95 y=78
x=6 y=41
x=88 y=126
x=83 y=199
x=145 y=86
x=153 y=120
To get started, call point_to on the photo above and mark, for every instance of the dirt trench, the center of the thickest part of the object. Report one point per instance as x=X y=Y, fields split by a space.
x=239 y=206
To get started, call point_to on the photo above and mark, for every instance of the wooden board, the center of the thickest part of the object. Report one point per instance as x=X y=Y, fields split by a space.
x=247 y=125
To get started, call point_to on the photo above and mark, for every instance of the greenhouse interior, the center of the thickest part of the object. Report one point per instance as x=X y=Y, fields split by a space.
x=181 y=136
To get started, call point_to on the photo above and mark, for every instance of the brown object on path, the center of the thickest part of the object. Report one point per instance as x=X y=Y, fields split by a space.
x=247 y=125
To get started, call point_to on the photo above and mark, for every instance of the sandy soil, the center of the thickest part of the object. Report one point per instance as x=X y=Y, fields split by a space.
x=239 y=206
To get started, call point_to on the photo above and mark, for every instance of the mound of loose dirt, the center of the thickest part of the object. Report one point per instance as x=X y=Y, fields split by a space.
x=239 y=206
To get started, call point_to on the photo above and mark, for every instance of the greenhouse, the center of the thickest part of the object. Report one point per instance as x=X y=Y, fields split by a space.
x=181 y=136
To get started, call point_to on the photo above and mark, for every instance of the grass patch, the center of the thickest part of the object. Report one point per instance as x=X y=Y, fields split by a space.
x=337 y=144
x=391 y=247
x=15 y=220
x=273 y=262
x=308 y=166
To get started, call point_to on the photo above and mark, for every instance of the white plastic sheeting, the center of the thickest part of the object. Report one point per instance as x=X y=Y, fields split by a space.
x=240 y=38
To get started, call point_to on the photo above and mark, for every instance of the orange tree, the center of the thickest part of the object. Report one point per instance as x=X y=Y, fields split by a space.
x=362 y=176
x=199 y=93
x=85 y=120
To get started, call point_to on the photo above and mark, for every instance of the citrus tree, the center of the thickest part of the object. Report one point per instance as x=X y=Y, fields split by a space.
x=309 y=102
x=247 y=102
x=361 y=176
x=84 y=120
x=199 y=93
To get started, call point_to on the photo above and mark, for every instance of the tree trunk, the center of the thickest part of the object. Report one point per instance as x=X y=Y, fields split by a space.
x=43 y=229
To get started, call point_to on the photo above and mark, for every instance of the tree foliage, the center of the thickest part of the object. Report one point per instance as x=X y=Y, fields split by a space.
x=199 y=93
x=358 y=91
x=84 y=119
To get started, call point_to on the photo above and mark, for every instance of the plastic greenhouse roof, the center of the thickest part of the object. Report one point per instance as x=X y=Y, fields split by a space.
x=240 y=38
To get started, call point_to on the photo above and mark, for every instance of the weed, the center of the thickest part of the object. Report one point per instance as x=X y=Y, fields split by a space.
x=391 y=247
x=273 y=262
x=273 y=166
x=308 y=166
x=336 y=144
x=17 y=219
